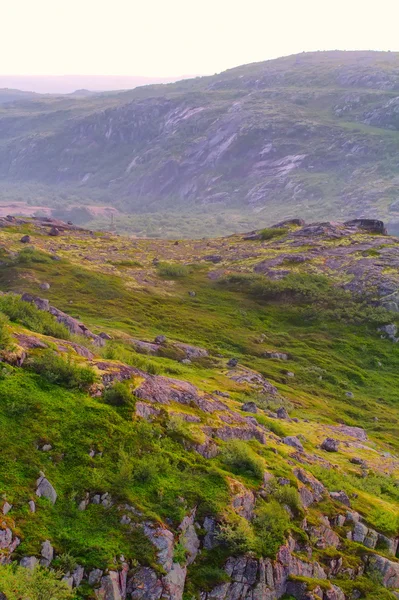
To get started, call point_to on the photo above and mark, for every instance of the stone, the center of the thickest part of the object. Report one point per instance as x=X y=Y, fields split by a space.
x=25 y=239
x=78 y=575
x=233 y=362
x=46 y=447
x=164 y=541
x=349 y=394
x=387 y=569
x=46 y=490
x=95 y=577
x=250 y=407
x=160 y=339
x=173 y=582
x=294 y=442
x=6 y=508
x=330 y=445
x=282 y=413
x=110 y=587
x=210 y=537
x=359 y=533
x=341 y=497
x=44 y=286
x=32 y=506
x=355 y=432
x=277 y=355
x=29 y=562
x=54 y=231
x=40 y=303
x=105 y=336
x=47 y=553
x=144 y=585
x=243 y=500
x=189 y=538
x=192 y=294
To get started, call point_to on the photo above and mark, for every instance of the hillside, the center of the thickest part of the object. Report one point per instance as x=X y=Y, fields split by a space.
x=199 y=419
x=315 y=134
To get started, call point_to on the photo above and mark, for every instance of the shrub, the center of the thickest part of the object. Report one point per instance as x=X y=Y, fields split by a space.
x=271 y=524
x=286 y=494
x=29 y=256
x=148 y=467
x=63 y=372
x=237 y=534
x=18 y=583
x=118 y=395
x=5 y=338
x=172 y=270
x=272 y=232
x=31 y=317
x=240 y=459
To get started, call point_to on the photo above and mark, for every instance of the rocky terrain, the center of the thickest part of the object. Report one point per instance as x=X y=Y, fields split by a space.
x=315 y=133
x=199 y=419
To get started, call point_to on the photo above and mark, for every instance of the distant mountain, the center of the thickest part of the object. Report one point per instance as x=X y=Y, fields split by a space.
x=313 y=134
x=66 y=84
x=11 y=95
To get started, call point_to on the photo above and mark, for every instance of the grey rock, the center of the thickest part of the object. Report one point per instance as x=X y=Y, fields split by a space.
x=277 y=355
x=110 y=587
x=32 y=506
x=78 y=575
x=359 y=532
x=160 y=339
x=189 y=538
x=45 y=286
x=349 y=394
x=95 y=577
x=47 y=553
x=233 y=362
x=294 y=442
x=6 y=508
x=163 y=540
x=46 y=447
x=341 y=497
x=388 y=570
x=330 y=445
x=25 y=239
x=105 y=336
x=96 y=499
x=173 y=582
x=250 y=407
x=125 y=520
x=144 y=585
x=29 y=562
x=210 y=536
x=282 y=413
x=46 y=490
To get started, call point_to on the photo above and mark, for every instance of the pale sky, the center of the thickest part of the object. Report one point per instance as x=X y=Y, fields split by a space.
x=180 y=37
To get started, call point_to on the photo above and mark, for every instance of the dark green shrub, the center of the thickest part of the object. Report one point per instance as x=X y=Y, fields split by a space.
x=271 y=524
x=289 y=495
x=118 y=395
x=236 y=534
x=62 y=372
x=5 y=338
x=240 y=459
x=30 y=256
x=272 y=232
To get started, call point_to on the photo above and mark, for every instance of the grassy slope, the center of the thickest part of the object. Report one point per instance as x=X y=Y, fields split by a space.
x=329 y=357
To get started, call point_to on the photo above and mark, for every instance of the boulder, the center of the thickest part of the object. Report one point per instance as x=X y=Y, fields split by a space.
x=45 y=489
x=6 y=508
x=341 y=497
x=277 y=355
x=282 y=413
x=294 y=442
x=144 y=585
x=29 y=562
x=54 y=231
x=25 y=239
x=45 y=286
x=110 y=587
x=369 y=225
x=330 y=445
x=250 y=407
x=47 y=553
x=355 y=432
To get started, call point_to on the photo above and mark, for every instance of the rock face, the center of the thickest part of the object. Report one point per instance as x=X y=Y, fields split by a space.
x=294 y=442
x=388 y=570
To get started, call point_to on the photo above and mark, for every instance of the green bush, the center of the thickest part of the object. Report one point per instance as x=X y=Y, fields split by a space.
x=118 y=395
x=5 y=338
x=30 y=256
x=286 y=494
x=240 y=459
x=62 y=372
x=271 y=523
x=172 y=270
x=236 y=534
x=19 y=583
x=272 y=232
x=31 y=317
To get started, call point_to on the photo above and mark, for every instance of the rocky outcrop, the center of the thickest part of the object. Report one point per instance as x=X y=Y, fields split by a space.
x=73 y=325
x=388 y=570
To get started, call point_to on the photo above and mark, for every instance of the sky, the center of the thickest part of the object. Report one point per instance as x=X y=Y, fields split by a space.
x=171 y=38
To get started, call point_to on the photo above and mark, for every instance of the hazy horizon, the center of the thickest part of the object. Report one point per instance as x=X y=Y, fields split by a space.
x=158 y=40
